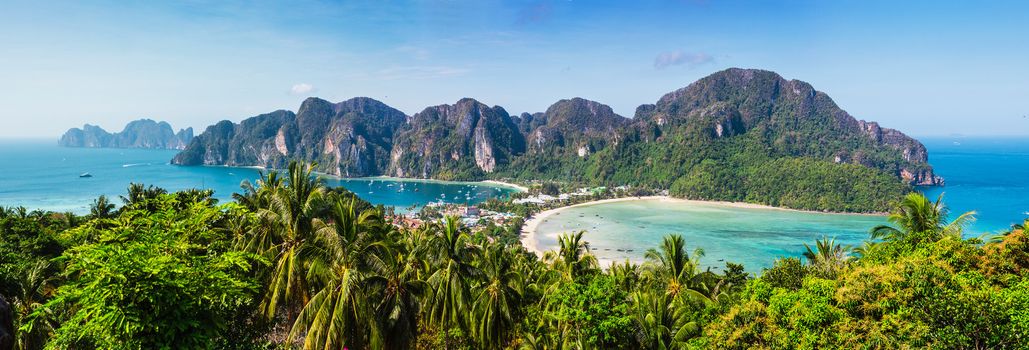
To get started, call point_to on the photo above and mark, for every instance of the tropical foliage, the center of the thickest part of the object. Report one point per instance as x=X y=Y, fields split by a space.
x=293 y=264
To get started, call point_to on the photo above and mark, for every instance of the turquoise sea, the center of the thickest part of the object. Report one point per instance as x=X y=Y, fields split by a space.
x=988 y=175
x=983 y=174
x=41 y=175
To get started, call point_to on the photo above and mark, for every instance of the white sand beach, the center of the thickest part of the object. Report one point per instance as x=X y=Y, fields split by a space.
x=507 y=184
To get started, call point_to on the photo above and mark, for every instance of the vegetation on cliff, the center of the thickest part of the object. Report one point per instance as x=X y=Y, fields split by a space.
x=739 y=135
x=293 y=264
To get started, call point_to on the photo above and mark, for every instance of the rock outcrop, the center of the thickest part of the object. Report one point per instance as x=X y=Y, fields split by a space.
x=143 y=133
x=790 y=118
x=577 y=126
x=464 y=139
x=351 y=138
x=738 y=117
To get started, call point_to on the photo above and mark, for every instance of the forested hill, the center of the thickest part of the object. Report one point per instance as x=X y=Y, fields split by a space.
x=739 y=135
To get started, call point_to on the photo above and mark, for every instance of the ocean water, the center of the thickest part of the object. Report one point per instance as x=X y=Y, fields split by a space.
x=750 y=236
x=987 y=175
x=41 y=175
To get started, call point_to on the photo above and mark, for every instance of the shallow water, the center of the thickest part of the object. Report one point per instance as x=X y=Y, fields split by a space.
x=751 y=236
x=41 y=175
x=988 y=175
x=983 y=174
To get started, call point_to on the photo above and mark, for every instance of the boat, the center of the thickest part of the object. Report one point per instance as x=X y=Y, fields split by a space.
x=86 y=175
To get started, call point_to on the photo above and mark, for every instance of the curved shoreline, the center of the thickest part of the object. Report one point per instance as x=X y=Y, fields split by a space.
x=518 y=187
x=490 y=183
x=531 y=225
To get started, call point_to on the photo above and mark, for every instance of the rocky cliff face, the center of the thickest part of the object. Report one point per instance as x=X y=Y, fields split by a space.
x=576 y=126
x=350 y=138
x=753 y=113
x=143 y=133
x=91 y=136
x=915 y=168
x=467 y=138
x=790 y=118
x=251 y=143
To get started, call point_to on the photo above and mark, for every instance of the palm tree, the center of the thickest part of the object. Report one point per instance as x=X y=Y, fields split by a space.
x=34 y=287
x=291 y=211
x=452 y=255
x=674 y=269
x=916 y=218
x=626 y=274
x=498 y=298
x=573 y=258
x=865 y=249
x=828 y=257
x=398 y=290
x=138 y=194
x=1020 y=226
x=258 y=195
x=661 y=322
x=192 y=196
x=338 y=257
x=102 y=208
x=532 y=341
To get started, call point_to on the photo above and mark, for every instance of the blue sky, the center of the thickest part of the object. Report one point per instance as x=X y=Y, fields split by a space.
x=925 y=67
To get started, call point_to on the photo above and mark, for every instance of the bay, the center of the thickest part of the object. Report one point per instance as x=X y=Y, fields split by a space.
x=983 y=174
x=987 y=175
x=38 y=174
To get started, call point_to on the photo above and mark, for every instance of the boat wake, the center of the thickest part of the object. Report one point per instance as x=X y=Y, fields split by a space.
x=134 y=165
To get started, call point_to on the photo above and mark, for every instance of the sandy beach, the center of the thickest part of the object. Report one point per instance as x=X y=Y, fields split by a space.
x=529 y=229
x=507 y=184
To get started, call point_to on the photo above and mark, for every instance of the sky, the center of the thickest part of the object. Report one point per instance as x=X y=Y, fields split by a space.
x=925 y=67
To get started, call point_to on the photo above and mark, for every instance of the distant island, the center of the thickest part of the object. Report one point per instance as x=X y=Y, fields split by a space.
x=741 y=135
x=143 y=133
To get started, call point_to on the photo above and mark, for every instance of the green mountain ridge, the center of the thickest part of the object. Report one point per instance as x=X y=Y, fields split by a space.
x=739 y=135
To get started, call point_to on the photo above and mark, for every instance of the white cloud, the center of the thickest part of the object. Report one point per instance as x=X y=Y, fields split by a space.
x=301 y=89
x=674 y=58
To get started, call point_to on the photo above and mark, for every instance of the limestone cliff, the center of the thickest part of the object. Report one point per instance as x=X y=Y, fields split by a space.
x=143 y=133
x=350 y=138
x=789 y=117
x=455 y=141
x=738 y=134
